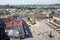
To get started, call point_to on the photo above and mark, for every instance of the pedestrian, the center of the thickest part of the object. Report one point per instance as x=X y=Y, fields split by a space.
x=3 y=35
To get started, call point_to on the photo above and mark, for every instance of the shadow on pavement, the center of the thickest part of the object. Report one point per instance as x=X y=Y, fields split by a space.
x=27 y=30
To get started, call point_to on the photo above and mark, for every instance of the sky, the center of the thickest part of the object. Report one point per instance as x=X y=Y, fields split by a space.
x=24 y=2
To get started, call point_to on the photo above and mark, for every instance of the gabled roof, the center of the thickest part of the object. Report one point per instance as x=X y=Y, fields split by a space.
x=13 y=23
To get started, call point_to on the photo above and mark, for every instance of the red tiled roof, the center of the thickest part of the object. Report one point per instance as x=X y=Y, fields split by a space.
x=13 y=23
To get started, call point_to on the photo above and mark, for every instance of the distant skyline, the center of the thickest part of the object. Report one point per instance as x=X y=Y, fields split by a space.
x=26 y=2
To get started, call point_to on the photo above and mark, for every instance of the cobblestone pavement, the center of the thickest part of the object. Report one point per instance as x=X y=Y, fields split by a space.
x=41 y=31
